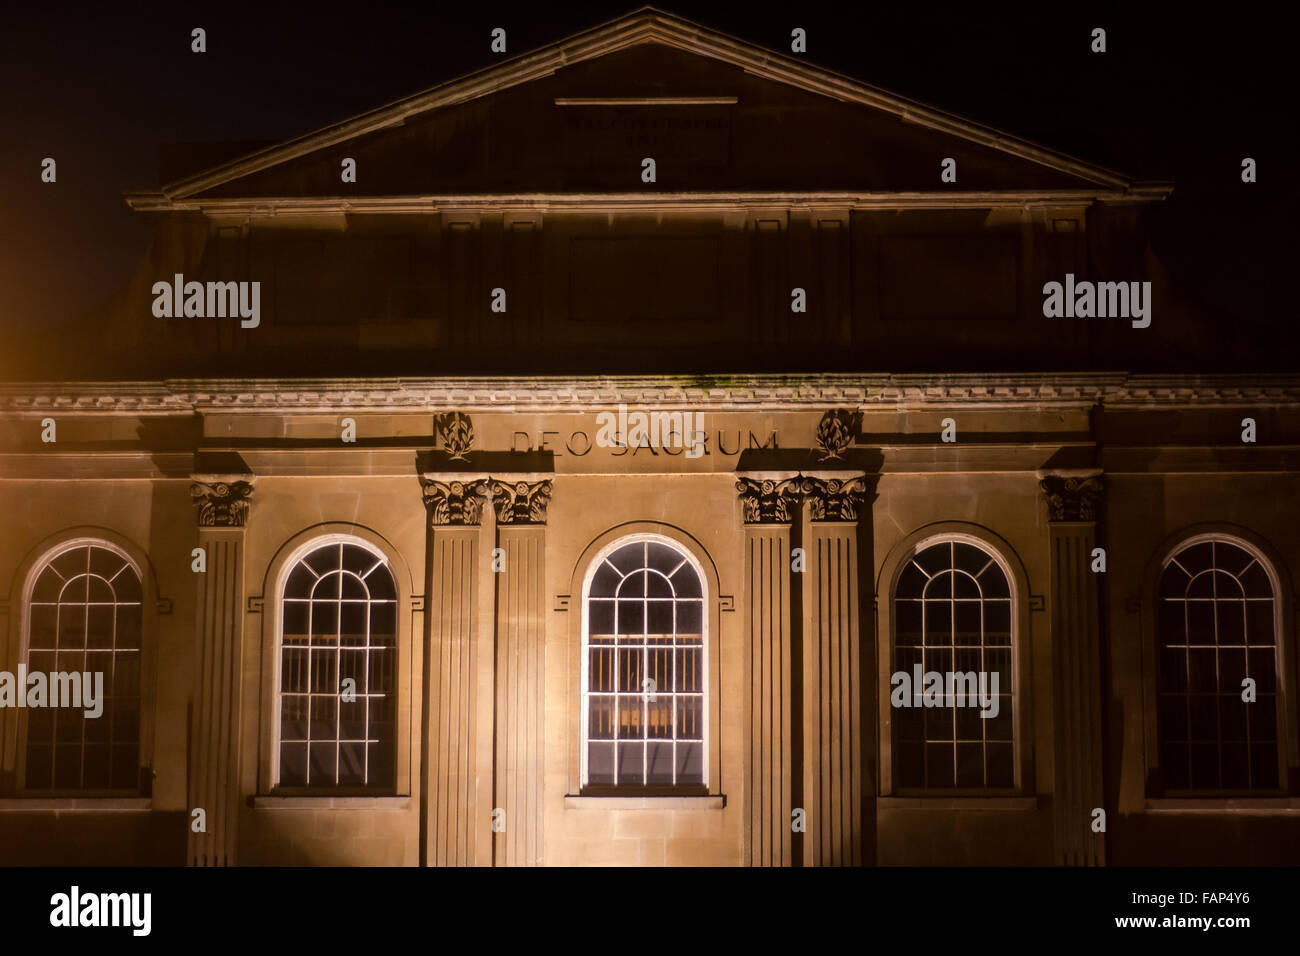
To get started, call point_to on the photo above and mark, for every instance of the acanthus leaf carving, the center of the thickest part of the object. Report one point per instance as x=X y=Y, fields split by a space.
x=520 y=502
x=1073 y=498
x=833 y=499
x=768 y=500
x=455 y=502
x=222 y=504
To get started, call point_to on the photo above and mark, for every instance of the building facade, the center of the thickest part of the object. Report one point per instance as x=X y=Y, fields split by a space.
x=579 y=462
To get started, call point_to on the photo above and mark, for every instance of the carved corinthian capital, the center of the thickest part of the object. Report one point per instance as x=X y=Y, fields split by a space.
x=520 y=502
x=830 y=499
x=222 y=504
x=768 y=501
x=454 y=503
x=1073 y=499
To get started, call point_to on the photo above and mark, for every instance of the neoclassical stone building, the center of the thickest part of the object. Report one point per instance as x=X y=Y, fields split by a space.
x=370 y=583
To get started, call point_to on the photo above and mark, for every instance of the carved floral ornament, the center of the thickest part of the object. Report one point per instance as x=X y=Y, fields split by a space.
x=461 y=502
x=1073 y=499
x=521 y=502
x=773 y=501
x=456 y=502
x=835 y=432
x=222 y=504
x=457 y=434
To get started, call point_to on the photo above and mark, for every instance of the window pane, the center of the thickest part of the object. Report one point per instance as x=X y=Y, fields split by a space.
x=293 y=764
x=326 y=587
x=606 y=580
x=690 y=718
x=600 y=718
x=631 y=617
x=98 y=766
x=600 y=763
x=659 y=617
x=938 y=764
x=631 y=767
x=630 y=669
x=659 y=717
x=352 y=588
x=324 y=718
x=352 y=763
x=323 y=764
x=690 y=763
x=628 y=558
x=293 y=717
x=690 y=617
x=630 y=711
x=381 y=585
x=938 y=622
x=600 y=669
x=600 y=617
x=689 y=678
x=907 y=623
x=686 y=582
x=656 y=585
x=659 y=763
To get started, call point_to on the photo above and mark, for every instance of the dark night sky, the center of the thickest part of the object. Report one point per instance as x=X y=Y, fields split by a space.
x=1183 y=93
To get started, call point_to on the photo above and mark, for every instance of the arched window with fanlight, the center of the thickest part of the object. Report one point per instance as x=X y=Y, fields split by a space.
x=84 y=617
x=1216 y=627
x=337 y=669
x=644 y=711
x=953 y=612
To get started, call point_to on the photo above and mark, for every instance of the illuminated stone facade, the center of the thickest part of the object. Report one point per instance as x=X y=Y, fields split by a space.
x=381 y=405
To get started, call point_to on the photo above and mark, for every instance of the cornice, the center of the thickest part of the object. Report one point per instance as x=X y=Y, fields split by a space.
x=298 y=206
x=184 y=397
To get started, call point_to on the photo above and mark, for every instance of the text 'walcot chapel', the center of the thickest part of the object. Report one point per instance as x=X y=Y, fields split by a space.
x=652 y=449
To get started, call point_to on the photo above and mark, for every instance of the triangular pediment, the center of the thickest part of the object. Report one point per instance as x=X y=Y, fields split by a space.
x=714 y=112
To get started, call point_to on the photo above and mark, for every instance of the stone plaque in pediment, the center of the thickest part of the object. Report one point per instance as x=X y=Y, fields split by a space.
x=695 y=136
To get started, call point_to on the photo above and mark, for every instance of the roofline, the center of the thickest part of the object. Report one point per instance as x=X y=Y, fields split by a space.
x=642 y=26
x=939 y=199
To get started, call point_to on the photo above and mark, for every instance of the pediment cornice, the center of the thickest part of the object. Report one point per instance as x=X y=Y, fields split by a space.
x=646 y=25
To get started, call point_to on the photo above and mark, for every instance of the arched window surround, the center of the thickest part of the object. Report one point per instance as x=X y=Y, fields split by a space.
x=13 y=721
x=406 y=681
x=1280 y=581
x=1008 y=561
x=584 y=569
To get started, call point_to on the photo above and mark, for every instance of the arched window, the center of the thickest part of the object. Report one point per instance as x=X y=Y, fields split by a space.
x=1216 y=626
x=643 y=719
x=953 y=615
x=338 y=644
x=84 y=619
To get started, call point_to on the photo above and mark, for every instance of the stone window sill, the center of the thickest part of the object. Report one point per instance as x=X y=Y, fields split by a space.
x=708 y=801
x=957 y=803
x=76 y=804
x=1224 y=805
x=331 y=803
